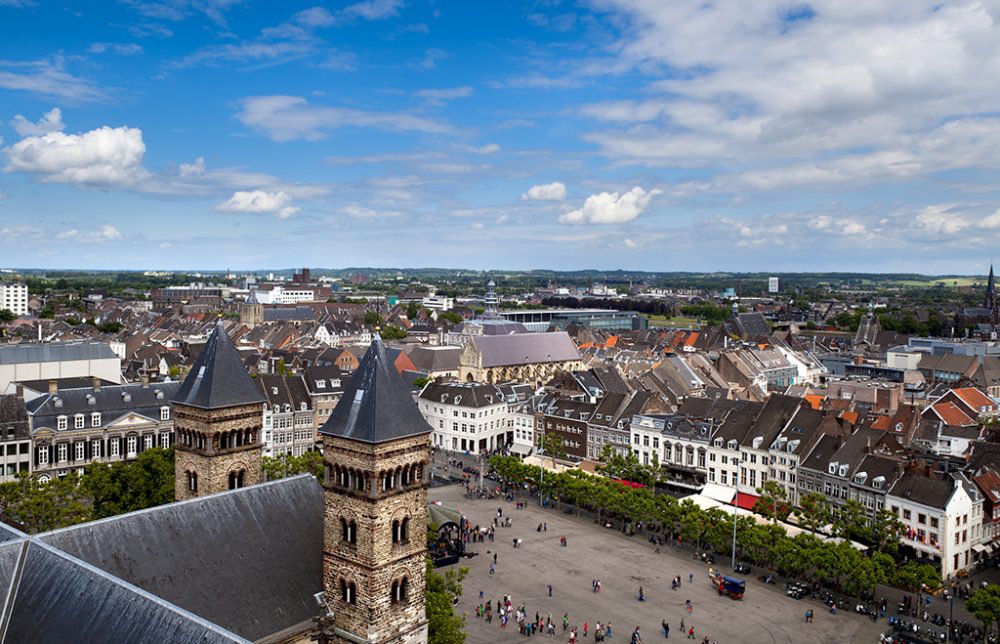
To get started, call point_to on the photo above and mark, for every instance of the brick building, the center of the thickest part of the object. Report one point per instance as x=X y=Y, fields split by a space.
x=218 y=420
x=376 y=447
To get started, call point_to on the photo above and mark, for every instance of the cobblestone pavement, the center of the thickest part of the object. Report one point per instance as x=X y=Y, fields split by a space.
x=623 y=564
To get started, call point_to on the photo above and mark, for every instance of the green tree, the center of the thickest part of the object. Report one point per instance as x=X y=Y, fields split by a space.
x=47 y=313
x=412 y=310
x=420 y=381
x=851 y=521
x=813 y=512
x=372 y=318
x=7 y=316
x=551 y=444
x=278 y=467
x=442 y=591
x=773 y=501
x=393 y=332
x=41 y=507
x=984 y=603
x=117 y=488
x=450 y=316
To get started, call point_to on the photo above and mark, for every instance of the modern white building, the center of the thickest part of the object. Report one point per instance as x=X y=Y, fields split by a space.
x=466 y=416
x=14 y=297
x=282 y=295
x=55 y=360
x=436 y=302
x=942 y=518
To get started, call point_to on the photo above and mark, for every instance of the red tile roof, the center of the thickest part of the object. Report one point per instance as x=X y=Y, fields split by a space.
x=950 y=414
x=974 y=398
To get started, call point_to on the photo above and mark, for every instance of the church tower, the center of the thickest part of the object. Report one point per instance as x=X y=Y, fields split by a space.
x=376 y=448
x=990 y=300
x=491 y=309
x=251 y=311
x=218 y=419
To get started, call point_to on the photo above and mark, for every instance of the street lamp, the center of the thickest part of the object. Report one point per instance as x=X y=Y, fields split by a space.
x=736 y=507
x=541 y=474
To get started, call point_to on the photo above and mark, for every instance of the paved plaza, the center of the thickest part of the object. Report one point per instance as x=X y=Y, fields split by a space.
x=622 y=564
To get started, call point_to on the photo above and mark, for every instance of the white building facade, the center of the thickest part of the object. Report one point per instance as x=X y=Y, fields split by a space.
x=466 y=416
x=14 y=297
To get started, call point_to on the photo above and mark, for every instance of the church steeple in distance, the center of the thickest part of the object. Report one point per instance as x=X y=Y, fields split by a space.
x=990 y=300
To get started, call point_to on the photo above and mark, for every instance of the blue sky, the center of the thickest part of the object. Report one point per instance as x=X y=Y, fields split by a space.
x=639 y=134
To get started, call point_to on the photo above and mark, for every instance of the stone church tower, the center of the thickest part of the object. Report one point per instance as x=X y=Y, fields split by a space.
x=218 y=420
x=376 y=448
x=252 y=311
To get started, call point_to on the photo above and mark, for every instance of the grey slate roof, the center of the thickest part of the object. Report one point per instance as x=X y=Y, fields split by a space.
x=218 y=379
x=463 y=394
x=248 y=560
x=436 y=358
x=110 y=401
x=376 y=406
x=525 y=348
x=933 y=492
x=58 y=598
x=54 y=352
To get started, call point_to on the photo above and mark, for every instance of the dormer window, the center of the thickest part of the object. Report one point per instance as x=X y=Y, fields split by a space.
x=878 y=482
x=843 y=470
x=833 y=468
x=321 y=384
x=458 y=400
x=335 y=383
x=95 y=419
x=717 y=442
x=61 y=422
x=860 y=478
x=164 y=413
x=274 y=391
x=732 y=445
x=78 y=421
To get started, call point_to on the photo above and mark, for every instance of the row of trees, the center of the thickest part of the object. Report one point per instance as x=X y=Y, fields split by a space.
x=806 y=555
x=104 y=490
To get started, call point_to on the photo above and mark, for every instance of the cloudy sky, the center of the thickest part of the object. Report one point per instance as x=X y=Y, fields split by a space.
x=639 y=134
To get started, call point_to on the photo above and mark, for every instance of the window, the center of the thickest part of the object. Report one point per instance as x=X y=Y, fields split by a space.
x=132 y=442
x=63 y=453
x=922 y=519
x=43 y=455
x=78 y=421
x=95 y=419
x=348 y=531
x=147 y=441
x=906 y=514
x=192 y=478
x=348 y=592
x=164 y=413
x=61 y=422
x=934 y=521
x=81 y=451
x=164 y=441
x=116 y=448
x=399 y=591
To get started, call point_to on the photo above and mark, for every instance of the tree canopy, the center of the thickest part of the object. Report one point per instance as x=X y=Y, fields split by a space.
x=117 y=488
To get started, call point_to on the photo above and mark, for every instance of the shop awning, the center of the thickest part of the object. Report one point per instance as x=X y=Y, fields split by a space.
x=746 y=501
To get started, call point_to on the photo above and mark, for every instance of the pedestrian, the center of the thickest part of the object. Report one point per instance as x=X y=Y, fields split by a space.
x=682 y=625
x=586 y=627
x=666 y=629
x=642 y=596
x=691 y=633
x=565 y=621
x=494 y=557
x=593 y=585
x=598 y=585
x=607 y=631
x=550 y=590
x=636 y=636
x=690 y=577
x=491 y=569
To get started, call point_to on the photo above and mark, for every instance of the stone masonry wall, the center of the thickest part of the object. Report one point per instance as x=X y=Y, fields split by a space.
x=213 y=464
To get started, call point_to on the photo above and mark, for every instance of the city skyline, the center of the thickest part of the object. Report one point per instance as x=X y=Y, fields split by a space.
x=555 y=135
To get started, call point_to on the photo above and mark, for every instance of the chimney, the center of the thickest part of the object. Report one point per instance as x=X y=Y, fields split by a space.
x=96 y=382
x=20 y=391
x=145 y=381
x=53 y=386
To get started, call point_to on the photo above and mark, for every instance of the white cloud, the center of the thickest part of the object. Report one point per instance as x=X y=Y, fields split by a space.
x=103 y=157
x=314 y=17
x=48 y=78
x=51 y=121
x=105 y=233
x=489 y=148
x=430 y=59
x=195 y=169
x=628 y=243
x=610 y=207
x=753 y=88
x=368 y=214
x=555 y=191
x=259 y=201
x=18 y=232
x=439 y=96
x=990 y=222
x=122 y=49
x=287 y=118
x=373 y=9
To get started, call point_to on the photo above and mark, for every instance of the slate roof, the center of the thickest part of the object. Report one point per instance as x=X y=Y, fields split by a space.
x=932 y=492
x=55 y=352
x=218 y=379
x=63 y=383
x=525 y=348
x=432 y=359
x=376 y=406
x=112 y=402
x=13 y=418
x=463 y=394
x=248 y=560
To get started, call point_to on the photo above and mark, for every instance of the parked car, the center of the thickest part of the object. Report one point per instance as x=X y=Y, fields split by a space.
x=796 y=590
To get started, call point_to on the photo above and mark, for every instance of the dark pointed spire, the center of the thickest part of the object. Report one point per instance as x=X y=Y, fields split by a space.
x=218 y=378
x=377 y=405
